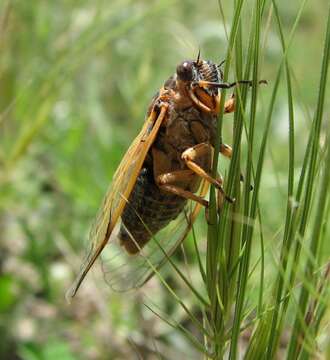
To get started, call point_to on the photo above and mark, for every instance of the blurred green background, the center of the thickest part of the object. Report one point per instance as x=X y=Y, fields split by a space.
x=75 y=82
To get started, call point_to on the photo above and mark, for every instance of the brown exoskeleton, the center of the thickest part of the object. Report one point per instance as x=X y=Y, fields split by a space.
x=160 y=185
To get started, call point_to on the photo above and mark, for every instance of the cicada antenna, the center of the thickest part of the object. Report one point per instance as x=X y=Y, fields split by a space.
x=221 y=63
x=219 y=67
x=198 y=56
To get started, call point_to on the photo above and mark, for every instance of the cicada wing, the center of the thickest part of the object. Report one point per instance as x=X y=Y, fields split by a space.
x=119 y=190
x=123 y=271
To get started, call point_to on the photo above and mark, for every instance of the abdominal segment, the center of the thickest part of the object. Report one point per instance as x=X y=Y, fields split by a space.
x=148 y=210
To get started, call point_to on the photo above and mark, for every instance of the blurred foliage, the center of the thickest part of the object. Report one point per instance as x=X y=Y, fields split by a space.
x=75 y=82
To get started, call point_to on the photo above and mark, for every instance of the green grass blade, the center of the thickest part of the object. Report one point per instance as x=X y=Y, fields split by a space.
x=244 y=265
x=294 y=346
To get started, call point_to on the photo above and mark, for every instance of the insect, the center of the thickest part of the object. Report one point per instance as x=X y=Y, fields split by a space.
x=160 y=184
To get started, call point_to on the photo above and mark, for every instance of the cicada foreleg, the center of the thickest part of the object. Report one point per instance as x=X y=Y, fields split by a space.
x=191 y=157
x=226 y=150
x=230 y=105
x=170 y=181
x=180 y=192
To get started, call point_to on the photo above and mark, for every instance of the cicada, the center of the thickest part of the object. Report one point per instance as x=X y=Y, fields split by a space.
x=160 y=185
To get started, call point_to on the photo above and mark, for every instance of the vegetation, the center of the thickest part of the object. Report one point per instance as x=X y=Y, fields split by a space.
x=75 y=83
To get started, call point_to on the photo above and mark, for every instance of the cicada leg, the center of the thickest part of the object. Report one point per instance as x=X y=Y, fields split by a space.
x=181 y=192
x=168 y=180
x=226 y=150
x=191 y=157
x=230 y=105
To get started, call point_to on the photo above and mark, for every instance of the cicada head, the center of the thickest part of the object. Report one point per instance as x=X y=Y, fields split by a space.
x=196 y=78
x=201 y=70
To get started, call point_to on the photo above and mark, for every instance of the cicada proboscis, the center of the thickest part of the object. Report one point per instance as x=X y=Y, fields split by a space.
x=159 y=187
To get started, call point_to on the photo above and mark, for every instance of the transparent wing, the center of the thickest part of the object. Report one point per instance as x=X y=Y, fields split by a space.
x=119 y=190
x=123 y=271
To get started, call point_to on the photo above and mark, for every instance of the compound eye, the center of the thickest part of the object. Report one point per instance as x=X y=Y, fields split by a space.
x=185 y=71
